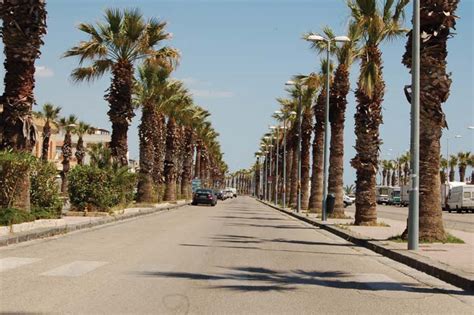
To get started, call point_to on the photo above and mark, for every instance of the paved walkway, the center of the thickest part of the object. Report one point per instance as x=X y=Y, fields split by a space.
x=458 y=256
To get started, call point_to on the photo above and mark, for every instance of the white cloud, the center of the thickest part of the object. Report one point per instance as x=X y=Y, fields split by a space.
x=211 y=93
x=44 y=72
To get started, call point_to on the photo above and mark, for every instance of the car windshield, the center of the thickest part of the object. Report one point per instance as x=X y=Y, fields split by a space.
x=203 y=191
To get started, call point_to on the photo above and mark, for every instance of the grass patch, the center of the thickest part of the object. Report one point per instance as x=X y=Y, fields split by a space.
x=449 y=239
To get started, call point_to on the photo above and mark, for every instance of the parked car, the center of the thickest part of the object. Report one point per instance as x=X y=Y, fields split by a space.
x=221 y=195
x=233 y=190
x=204 y=196
x=229 y=193
x=347 y=200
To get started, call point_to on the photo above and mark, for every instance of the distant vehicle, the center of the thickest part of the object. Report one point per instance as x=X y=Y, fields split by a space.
x=382 y=194
x=204 y=196
x=228 y=194
x=221 y=195
x=394 y=196
x=234 y=191
x=347 y=200
x=405 y=195
x=460 y=198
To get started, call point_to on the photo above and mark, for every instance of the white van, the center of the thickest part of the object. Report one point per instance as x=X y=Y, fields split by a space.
x=461 y=198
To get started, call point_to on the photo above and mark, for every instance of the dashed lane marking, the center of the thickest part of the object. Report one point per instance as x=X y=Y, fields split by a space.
x=74 y=269
x=9 y=263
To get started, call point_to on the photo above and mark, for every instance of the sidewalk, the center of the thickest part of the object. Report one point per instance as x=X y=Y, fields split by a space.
x=45 y=228
x=453 y=263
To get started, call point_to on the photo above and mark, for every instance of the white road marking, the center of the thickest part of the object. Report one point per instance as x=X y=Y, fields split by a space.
x=74 y=269
x=15 y=262
x=377 y=281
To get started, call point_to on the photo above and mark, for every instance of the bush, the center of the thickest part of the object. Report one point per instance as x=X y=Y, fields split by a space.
x=99 y=189
x=9 y=216
x=45 y=196
x=13 y=168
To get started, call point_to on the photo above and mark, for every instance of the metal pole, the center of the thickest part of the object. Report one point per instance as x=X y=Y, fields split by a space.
x=276 y=164
x=298 y=205
x=284 y=162
x=413 y=213
x=270 y=172
x=326 y=135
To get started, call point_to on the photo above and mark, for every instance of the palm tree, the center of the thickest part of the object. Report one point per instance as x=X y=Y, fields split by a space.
x=471 y=164
x=405 y=160
x=68 y=124
x=349 y=189
x=316 y=193
x=50 y=114
x=437 y=19
x=376 y=25
x=149 y=93
x=24 y=25
x=115 y=45
x=443 y=167
x=346 y=55
x=463 y=162
x=453 y=162
x=81 y=130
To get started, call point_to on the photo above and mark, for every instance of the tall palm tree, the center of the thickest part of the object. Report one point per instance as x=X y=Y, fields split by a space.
x=50 y=114
x=316 y=193
x=405 y=160
x=377 y=24
x=453 y=162
x=443 y=167
x=115 y=46
x=463 y=162
x=308 y=85
x=346 y=55
x=471 y=164
x=68 y=125
x=81 y=130
x=437 y=18
x=24 y=25
x=149 y=94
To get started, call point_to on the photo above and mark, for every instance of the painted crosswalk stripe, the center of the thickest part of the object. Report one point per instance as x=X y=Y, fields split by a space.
x=74 y=269
x=15 y=262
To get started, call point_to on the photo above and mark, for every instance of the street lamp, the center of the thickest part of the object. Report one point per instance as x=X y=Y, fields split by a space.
x=277 y=155
x=447 y=144
x=329 y=41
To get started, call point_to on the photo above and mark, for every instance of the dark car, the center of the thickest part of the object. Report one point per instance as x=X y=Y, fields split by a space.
x=204 y=196
x=221 y=195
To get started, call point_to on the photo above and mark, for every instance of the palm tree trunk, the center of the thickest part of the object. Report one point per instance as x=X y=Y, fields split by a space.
x=45 y=144
x=289 y=164
x=316 y=196
x=451 y=174
x=146 y=132
x=462 y=173
x=187 y=164
x=435 y=83
x=121 y=112
x=306 y=128
x=338 y=97
x=368 y=118
x=197 y=164
x=67 y=153
x=294 y=180
x=170 y=161
x=80 y=151
x=159 y=148
x=24 y=24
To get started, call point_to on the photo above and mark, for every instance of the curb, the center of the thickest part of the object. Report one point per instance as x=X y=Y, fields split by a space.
x=53 y=231
x=438 y=270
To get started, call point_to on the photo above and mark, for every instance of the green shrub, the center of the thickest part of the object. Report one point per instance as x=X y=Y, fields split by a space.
x=100 y=189
x=45 y=194
x=14 y=167
x=9 y=216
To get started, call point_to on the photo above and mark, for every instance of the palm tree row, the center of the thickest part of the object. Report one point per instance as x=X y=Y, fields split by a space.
x=372 y=23
x=173 y=132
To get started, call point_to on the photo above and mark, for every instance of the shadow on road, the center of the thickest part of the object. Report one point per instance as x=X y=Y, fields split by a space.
x=249 y=279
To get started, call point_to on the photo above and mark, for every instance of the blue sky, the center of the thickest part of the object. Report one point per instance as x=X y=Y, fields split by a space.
x=236 y=56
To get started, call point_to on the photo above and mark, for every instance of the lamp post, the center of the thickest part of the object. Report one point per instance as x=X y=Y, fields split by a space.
x=447 y=144
x=298 y=144
x=329 y=41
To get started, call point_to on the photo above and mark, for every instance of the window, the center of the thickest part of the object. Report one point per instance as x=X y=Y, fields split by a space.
x=467 y=195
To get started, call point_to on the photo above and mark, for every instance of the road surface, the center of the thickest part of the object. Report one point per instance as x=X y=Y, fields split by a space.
x=240 y=257
x=456 y=221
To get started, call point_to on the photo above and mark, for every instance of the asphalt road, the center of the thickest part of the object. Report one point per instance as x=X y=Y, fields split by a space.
x=240 y=257
x=456 y=221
